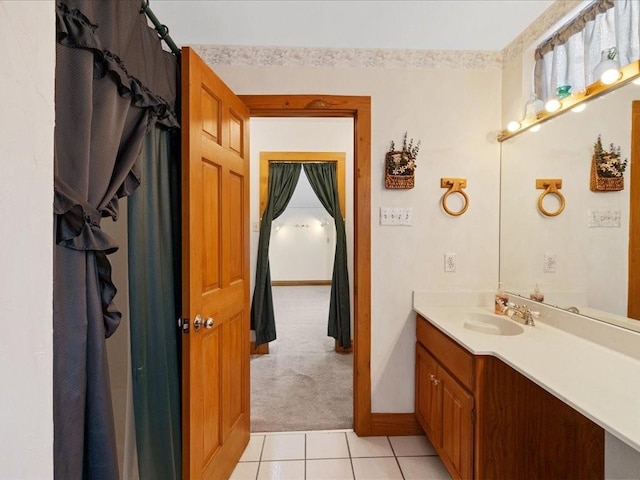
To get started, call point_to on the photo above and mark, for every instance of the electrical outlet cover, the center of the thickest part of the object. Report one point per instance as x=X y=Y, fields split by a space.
x=449 y=262
x=550 y=262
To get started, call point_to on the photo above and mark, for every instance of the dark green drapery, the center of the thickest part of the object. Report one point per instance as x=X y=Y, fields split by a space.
x=154 y=286
x=322 y=177
x=283 y=178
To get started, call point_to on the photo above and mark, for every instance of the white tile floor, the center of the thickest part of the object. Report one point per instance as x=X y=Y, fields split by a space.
x=338 y=455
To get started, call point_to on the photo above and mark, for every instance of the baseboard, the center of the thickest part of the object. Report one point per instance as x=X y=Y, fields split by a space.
x=299 y=283
x=395 y=424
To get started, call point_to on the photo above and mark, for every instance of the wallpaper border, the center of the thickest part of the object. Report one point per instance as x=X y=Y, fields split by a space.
x=256 y=56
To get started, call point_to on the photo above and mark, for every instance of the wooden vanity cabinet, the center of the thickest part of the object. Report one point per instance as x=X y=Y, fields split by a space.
x=444 y=408
x=487 y=421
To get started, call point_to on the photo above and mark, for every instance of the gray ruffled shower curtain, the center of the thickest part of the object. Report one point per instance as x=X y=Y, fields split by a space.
x=111 y=87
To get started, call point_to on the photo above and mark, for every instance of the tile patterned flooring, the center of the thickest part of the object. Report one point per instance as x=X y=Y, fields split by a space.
x=338 y=455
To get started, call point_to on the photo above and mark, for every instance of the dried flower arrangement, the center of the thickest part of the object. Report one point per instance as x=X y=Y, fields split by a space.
x=402 y=162
x=608 y=163
x=607 y=168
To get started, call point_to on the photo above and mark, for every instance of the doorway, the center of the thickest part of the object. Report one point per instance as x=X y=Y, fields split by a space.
x=303 y=383
x=359 y=109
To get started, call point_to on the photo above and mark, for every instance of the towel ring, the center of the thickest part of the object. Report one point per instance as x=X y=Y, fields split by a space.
x=551 y=186
x=455 y=185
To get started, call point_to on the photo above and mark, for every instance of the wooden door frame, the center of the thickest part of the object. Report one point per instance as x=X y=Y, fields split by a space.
x=337 y=158
x=359 y=108
x=633 y=289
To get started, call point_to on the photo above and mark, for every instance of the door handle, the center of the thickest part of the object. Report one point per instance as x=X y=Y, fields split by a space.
x=199 y=322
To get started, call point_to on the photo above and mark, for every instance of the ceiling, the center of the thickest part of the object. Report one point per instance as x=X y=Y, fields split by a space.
x=421 y=24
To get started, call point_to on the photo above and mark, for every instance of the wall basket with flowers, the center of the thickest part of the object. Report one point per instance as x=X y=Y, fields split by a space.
x=400 y=165
x=607 y=168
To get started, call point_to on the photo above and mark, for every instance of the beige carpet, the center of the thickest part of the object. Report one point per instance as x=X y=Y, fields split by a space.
x=302 y=384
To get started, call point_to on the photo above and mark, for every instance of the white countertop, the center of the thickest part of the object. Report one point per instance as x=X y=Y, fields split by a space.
x=601 y=383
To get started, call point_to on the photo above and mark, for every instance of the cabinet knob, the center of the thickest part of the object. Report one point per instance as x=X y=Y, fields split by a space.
x=433 y=379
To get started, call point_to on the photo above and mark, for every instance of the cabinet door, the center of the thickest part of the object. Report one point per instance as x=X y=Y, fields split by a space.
x=428 y=399
x=457 y=426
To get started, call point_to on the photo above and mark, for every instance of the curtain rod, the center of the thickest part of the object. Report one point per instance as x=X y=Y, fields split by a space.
x=163 y=30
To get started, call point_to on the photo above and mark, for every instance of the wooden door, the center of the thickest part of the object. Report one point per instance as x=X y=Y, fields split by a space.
x=457 y=425
x=215 y=196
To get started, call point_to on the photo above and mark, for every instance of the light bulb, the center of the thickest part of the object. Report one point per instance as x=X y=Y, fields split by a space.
x=553 y=105
x=636 y=81
x=608 y=70
x=579 y=108
x=610 y=76
x=535 y=128
x=513 y=126
x=531 y=109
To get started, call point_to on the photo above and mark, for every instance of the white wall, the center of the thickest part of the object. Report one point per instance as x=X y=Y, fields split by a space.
x=453 y=111
x=27 y=50
x=302 y=245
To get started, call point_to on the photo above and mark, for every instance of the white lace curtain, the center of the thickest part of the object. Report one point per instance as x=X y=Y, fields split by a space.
x=569 y=56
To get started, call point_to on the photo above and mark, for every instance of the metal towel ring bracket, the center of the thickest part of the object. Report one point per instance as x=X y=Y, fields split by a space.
x=455 y=185
x=551 y=186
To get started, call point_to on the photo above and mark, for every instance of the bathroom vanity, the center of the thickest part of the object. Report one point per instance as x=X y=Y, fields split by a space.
x=486 y=420
x=499 y=399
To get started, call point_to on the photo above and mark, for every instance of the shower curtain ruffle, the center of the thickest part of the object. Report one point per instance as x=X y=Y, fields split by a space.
x=75 y=30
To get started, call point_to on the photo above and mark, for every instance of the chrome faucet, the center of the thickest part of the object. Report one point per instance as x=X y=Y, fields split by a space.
x=521 y=312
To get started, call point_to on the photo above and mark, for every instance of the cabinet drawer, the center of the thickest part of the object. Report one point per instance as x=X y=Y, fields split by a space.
x=455 y=358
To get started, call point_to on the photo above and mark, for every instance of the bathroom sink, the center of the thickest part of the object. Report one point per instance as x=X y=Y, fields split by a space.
x=491 y=324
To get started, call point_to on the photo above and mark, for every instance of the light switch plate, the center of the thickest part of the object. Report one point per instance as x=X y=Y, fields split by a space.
x=603 y=217
x=396 y=216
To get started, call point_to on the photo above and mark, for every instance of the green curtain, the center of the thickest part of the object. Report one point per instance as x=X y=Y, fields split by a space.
x=283 y=178
x=154 y=288
x=322 y=177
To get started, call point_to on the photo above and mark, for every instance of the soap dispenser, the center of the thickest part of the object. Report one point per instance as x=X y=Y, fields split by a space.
x=537 y=295
x=501 y=300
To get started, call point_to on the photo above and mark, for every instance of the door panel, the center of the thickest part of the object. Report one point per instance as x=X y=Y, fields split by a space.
x=216 y=273
x=232 y=400
x=457 y=424
x=428 y=398
x=236 y=231
x=211 y=177
x=211 y=386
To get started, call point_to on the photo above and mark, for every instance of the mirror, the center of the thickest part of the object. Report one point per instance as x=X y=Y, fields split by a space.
x=579 y=258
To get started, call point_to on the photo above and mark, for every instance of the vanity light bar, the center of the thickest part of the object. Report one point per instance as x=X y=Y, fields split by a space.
x=596 y=89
